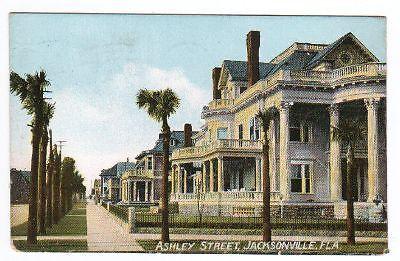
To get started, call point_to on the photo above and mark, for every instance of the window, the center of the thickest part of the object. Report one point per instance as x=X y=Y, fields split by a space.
x=149 y=163
x=254 y=128
x=172 y=142
x=222 y=133
x=240 y=132
x=300 y=131
x=300 y=178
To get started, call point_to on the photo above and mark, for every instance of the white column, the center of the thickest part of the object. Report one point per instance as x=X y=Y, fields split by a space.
x=146 y=189
x=173 y=179
x=152 y=191
x=179 y=185
x=184 y=181
x=220 y=174
x=372 y=107
x=334 y=158
x=129 y=191
x=134 y=191
x=204 y=173
x=272 y=156
x=211 y=176
x=258 y=173
x=283 y=152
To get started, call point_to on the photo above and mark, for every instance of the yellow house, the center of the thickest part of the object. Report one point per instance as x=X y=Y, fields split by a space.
x=314 y=87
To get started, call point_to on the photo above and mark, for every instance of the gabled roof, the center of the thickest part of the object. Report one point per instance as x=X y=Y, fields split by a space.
x=298 y=56
x=178 y=136
x=327 y=50
x=238 y=69
x=295 y=61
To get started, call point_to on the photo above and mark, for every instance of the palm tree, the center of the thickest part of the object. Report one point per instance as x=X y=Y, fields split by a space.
x=48 y=112
x=160 y=105
x=30 y=92
x=350 y=132
x=56 y=185
x=266 y=116
x=49 y=186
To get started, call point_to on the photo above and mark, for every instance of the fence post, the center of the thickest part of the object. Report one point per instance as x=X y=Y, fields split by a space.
x=131 y=220
x=108 y=206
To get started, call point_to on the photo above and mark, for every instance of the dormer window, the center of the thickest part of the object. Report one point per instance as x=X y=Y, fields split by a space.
x=172 y=142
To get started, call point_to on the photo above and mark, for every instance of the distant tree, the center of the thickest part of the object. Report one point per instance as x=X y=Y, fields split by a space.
x=67 y=169
x=56 y=186
x=49 y=185
x=30 y=92
x=48 y=112
x=266 y=116
x=160 y=105
x=350 y=132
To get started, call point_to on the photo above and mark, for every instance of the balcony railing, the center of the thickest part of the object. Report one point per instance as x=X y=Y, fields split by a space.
x=325 y=79
x=222 y=144
x=226 y=196
x=220 y=104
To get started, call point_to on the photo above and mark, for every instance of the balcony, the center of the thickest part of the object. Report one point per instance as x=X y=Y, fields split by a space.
x=316 y=79
x=226 y=196
x=229 y=145
x=328 y=78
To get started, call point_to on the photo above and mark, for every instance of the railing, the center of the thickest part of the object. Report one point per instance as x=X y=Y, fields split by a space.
x=228 y=144
x=223 y=196
x=220 y=104
x=324 y=78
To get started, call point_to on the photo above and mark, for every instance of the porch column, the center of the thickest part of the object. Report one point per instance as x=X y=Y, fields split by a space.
x=258 y=174
x=179 y=185
x=173 y=179
x=220 y=174
x=152 y=191
x=146 y=189
x=129 y=190
x=184 y=181
x=334 y=158
x=372 y=107
x=211 y=176
x=204 y=177
x=272 y=157
x=283 y=152
x=134 y=191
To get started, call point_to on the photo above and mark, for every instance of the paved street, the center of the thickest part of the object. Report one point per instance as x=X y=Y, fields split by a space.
x=105 y=234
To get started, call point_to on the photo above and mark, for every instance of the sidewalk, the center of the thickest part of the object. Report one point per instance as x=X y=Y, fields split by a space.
x=104 y=234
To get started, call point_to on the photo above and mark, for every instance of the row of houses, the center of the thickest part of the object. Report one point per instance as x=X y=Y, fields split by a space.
x=140 y=181
x=314 y=86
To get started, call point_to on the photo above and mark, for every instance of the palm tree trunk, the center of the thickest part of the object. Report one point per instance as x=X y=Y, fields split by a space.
x=49 y=187
x=56 y=189
x=164 y=192
x=42 y=182
x=63 y=191
x=69 y=191
x=349 y=193
x=32 y=219
x=266 y=190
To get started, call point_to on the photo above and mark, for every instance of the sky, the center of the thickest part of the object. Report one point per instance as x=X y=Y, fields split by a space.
x=96 y=64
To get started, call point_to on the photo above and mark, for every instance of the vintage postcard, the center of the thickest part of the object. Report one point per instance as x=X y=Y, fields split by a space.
x=198 y=134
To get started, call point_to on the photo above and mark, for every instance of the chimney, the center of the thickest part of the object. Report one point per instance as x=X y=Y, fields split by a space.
x=253 y=45
x=187 y=131
x=216 y=72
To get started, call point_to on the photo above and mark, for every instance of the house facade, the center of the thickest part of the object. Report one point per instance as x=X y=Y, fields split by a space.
x=314 y=87
x=143 y=184
x=110 y=180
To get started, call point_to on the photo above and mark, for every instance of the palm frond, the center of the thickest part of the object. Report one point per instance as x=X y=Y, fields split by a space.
x=266 y=116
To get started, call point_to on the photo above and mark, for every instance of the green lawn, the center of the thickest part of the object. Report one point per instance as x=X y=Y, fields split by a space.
x=359 y=248
x=52 y=246
x=68 y=225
